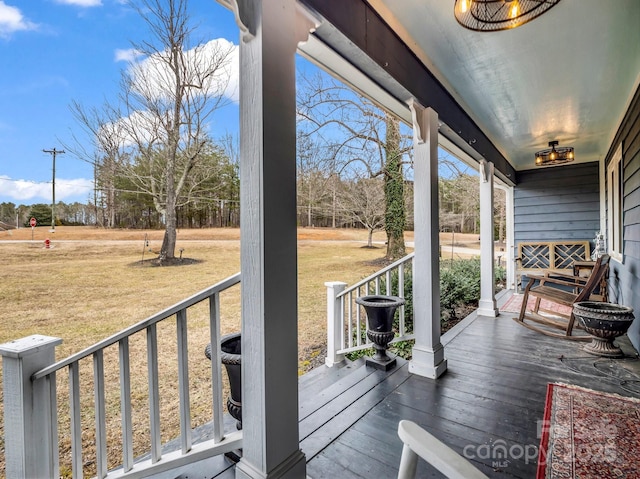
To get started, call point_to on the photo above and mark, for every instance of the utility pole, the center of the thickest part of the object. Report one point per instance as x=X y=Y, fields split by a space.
x=53 y=152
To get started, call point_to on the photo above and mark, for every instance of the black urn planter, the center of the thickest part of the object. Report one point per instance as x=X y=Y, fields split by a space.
x=605 y=322
x=231 y=357
x=380 y=311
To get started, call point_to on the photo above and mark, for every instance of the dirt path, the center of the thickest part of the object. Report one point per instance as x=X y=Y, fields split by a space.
x=88 y=233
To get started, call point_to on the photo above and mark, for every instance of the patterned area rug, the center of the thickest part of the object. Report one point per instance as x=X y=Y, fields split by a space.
x=588 y=434
x=514 y=303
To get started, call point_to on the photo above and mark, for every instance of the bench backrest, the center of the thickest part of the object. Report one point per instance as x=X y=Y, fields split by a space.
x=551 y=255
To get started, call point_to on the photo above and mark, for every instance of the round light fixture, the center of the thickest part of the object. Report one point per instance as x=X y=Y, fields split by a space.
x=493 y=15
x=554 y=156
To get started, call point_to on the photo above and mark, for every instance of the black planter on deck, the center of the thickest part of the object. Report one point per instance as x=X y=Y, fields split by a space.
x=605 y=322
x=380 y=312
x=230 y=346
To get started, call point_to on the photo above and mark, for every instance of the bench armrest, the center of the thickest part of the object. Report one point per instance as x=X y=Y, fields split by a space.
x=551 y=278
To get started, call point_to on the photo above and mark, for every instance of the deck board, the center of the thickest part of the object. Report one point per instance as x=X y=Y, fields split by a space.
x=492 y=394
x=330 y=422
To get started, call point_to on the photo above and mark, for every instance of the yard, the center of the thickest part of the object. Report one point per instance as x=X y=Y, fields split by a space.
x=92 y=283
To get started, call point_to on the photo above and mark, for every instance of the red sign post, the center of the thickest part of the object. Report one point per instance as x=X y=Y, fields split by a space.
x=33 y=223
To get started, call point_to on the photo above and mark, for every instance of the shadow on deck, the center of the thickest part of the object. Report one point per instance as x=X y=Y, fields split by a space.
x=491 y=396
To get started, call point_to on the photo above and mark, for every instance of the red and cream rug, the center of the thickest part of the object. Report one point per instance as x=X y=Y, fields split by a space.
x=588 y=434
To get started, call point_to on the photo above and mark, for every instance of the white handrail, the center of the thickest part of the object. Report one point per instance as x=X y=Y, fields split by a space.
x=156 y=462
x=379 y=273
x=142 y=325
x=346 y=328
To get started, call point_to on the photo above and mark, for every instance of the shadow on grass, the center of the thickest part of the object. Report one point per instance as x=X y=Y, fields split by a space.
x=155 y=262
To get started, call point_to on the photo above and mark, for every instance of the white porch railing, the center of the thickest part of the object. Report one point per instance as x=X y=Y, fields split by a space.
x=32 y=438
x=346 y=320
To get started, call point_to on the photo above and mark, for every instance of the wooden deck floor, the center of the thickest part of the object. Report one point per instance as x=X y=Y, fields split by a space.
x=492 y=395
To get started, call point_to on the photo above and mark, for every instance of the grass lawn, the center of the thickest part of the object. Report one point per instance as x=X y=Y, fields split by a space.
x=90 y=285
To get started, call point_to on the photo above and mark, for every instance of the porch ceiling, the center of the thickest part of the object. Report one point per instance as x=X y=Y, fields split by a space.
x=569 y=75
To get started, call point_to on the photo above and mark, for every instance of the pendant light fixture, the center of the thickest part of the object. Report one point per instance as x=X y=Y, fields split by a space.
x=493 y=15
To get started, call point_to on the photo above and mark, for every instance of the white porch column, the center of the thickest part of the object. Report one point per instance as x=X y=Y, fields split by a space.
x=271 y=30
x=510 y=253
x=428 y=353
x=487 y=304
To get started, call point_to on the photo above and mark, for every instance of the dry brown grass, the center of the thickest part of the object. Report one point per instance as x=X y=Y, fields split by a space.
x=88 y=286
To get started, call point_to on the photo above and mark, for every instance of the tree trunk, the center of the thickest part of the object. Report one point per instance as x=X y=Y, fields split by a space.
x=394 y=191
x=333 y=212
x=370 y=241
x=167 y=252
x=170 y=215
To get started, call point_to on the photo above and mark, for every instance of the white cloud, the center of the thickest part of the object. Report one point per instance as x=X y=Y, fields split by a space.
x=22 y=190
x=12 y=20
x=81 y=3
x=129 y=55
x=229 y=75
x=139 y=127
x=154 y=76
x=154 y=81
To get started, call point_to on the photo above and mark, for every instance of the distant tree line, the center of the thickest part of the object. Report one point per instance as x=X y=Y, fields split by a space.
x=157 y=165
x=12 y=215
x=325 y=199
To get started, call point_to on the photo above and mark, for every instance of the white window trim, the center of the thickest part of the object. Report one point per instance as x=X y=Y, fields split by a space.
x=615 y=227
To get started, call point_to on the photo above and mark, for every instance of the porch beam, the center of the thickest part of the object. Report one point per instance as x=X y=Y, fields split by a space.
x=428 y=352
x=271 y=30
x=487 y=304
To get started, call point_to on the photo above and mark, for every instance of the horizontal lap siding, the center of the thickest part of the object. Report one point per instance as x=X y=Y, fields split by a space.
x=625 y=276
x=557 y=204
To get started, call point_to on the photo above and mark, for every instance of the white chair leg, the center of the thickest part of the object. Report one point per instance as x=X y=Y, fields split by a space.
x=418 y=442
x=408 y=463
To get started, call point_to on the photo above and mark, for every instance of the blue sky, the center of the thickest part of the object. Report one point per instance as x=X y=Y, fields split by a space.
x=54 y=52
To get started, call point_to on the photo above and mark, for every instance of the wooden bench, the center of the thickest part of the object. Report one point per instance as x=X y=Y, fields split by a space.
x=541 y=257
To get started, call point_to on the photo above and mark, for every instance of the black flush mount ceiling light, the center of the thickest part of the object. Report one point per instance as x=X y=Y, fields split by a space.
x=493 y=15
x=554 y=156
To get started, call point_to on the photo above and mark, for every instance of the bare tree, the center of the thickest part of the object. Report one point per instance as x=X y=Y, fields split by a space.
x=167 y=100
x=312 y=177
x=154 y=139
x=500 y=208
x=361 y=138
x=108 y=154
x=361 y=200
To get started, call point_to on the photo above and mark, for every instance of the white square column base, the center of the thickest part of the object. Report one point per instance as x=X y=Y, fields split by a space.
x=428 y=363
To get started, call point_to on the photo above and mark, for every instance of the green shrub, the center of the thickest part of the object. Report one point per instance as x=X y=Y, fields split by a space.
x=459 y=285
x=408 y=297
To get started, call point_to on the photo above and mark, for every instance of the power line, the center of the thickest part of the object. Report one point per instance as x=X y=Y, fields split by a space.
x=53 y=152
